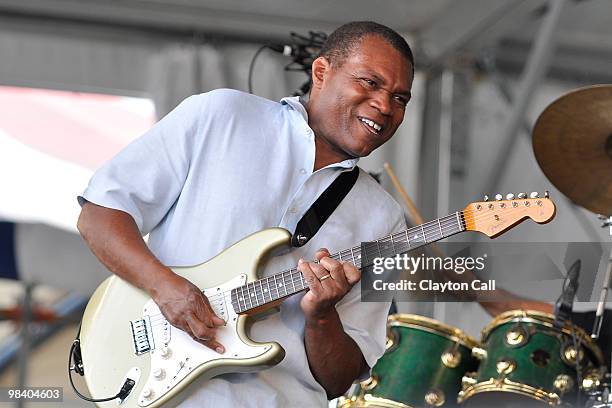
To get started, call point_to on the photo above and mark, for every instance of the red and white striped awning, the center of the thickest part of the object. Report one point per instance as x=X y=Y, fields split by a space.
x=50 y=143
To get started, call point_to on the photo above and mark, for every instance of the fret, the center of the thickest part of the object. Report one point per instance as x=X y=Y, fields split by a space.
x=440 y=227
x=276 y=287
x=253 y=293
x=392 y=244
x=378 y=247
x=237 y=307
x=303 y=283
x=234 y=299
x=295 y=280
x=340 y=255
x=407 y=239
x=257 y=293
x=245 y=297
x=241 y=297
x=248 y=296
x=423 y=232
x=264 y=290
x=458 y=222
x=286 y=276
x=292 y=283
x=267 y=289
x=353 y=256
x=283 y=286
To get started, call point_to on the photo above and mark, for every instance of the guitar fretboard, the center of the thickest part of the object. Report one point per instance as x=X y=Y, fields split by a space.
x=286 y=283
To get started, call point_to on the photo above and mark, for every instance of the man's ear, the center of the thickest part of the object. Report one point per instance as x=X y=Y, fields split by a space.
x=320 y=68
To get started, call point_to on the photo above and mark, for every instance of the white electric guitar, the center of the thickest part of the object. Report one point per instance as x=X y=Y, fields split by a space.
x=127 y=343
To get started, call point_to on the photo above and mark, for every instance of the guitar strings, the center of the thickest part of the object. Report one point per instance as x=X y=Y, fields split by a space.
x=445 y=224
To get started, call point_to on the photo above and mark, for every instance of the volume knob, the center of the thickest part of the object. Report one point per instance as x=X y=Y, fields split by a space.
x=147 y=393
x=159 y=374
x=165 y=352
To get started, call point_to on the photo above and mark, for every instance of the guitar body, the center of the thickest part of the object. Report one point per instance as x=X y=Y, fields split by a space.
x=123 y=334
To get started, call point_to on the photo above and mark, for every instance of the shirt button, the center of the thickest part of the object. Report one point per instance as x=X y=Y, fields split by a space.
x=302 y=171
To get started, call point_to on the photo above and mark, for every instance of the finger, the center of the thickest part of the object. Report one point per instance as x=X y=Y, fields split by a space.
x=333 y=267
x=199 y=330
x=204 y=312
x=204 y=336
x=321 y=253
x=336 y=271
x=352 y=274
x=215 y=320
x=211 y=344
x=310 y=277
x=319 y=270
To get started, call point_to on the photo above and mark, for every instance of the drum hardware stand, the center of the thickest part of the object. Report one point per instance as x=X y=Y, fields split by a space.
x=606 y=393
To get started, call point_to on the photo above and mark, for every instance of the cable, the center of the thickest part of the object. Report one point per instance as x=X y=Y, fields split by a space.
x=75 y=351
x=252 y=65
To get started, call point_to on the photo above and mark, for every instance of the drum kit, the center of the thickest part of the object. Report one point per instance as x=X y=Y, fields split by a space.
x=524 y=358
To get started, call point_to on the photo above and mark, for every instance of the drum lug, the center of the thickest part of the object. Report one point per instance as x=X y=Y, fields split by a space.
x=571 y=355
x=434 y=398
x=563 y=383
x=505 y=367
x=591 y=381
x=451 y=358
x=479 y=353
x=516 y=337
x=370 y=383
x=469 y=379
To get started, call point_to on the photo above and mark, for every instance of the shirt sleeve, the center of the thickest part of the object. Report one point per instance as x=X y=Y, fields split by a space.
x=147 y=176
x=366 y=322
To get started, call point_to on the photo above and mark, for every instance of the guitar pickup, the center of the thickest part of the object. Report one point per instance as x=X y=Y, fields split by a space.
x=142 y=335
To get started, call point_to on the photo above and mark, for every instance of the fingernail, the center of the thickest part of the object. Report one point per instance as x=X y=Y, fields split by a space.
x=301 y=260
x=220 y=350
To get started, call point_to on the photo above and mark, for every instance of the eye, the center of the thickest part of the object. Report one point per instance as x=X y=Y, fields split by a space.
x=369 y=83
x=402 y=100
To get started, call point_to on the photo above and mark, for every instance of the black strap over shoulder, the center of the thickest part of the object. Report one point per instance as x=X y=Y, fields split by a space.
x=325 y=205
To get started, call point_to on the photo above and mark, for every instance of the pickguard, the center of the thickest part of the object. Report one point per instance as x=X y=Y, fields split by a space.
x=175 y=356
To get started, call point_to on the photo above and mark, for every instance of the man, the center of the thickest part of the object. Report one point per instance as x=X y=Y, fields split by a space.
x=225 y=164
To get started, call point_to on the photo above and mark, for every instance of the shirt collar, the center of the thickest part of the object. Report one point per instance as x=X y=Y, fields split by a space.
x=295 y=103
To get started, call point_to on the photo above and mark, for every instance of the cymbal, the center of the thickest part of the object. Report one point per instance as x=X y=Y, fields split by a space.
x=572 y=142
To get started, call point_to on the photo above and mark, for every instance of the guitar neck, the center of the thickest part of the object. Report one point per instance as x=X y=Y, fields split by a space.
x=272 y=288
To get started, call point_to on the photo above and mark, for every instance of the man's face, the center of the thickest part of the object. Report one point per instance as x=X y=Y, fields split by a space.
x=359 y=105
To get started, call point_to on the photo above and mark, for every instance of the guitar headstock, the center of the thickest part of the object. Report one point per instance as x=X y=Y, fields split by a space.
x=494 y=217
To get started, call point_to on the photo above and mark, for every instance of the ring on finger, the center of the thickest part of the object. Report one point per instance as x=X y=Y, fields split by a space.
x=322 y=278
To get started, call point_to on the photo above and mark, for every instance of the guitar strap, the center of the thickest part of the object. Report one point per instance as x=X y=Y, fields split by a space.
x=325 y=205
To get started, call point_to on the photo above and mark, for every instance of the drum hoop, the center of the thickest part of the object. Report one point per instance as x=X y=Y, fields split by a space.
x=381 y=402
x=432 y=326
x=544 y=319
x=507 y=385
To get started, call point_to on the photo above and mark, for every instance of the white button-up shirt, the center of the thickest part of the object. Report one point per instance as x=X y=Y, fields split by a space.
x=221 y=166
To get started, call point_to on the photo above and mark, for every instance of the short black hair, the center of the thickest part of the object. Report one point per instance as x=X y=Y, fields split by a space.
x=345 y=38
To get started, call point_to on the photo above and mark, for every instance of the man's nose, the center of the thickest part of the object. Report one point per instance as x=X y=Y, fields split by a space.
x=381 y=100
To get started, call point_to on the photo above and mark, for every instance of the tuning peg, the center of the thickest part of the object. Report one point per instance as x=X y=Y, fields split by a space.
x=546 y=194
x=486 y=198
x=534 y=194
x=509 y=196
x=522 y=195
x=499 y=197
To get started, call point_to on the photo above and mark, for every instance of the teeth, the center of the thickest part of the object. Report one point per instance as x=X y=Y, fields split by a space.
x=372 y=124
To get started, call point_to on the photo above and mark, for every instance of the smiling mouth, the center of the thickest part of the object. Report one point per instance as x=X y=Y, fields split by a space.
x=371 y=125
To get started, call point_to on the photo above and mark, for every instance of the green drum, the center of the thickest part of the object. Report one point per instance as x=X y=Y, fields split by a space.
x=527 y=361
x=422 y=367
